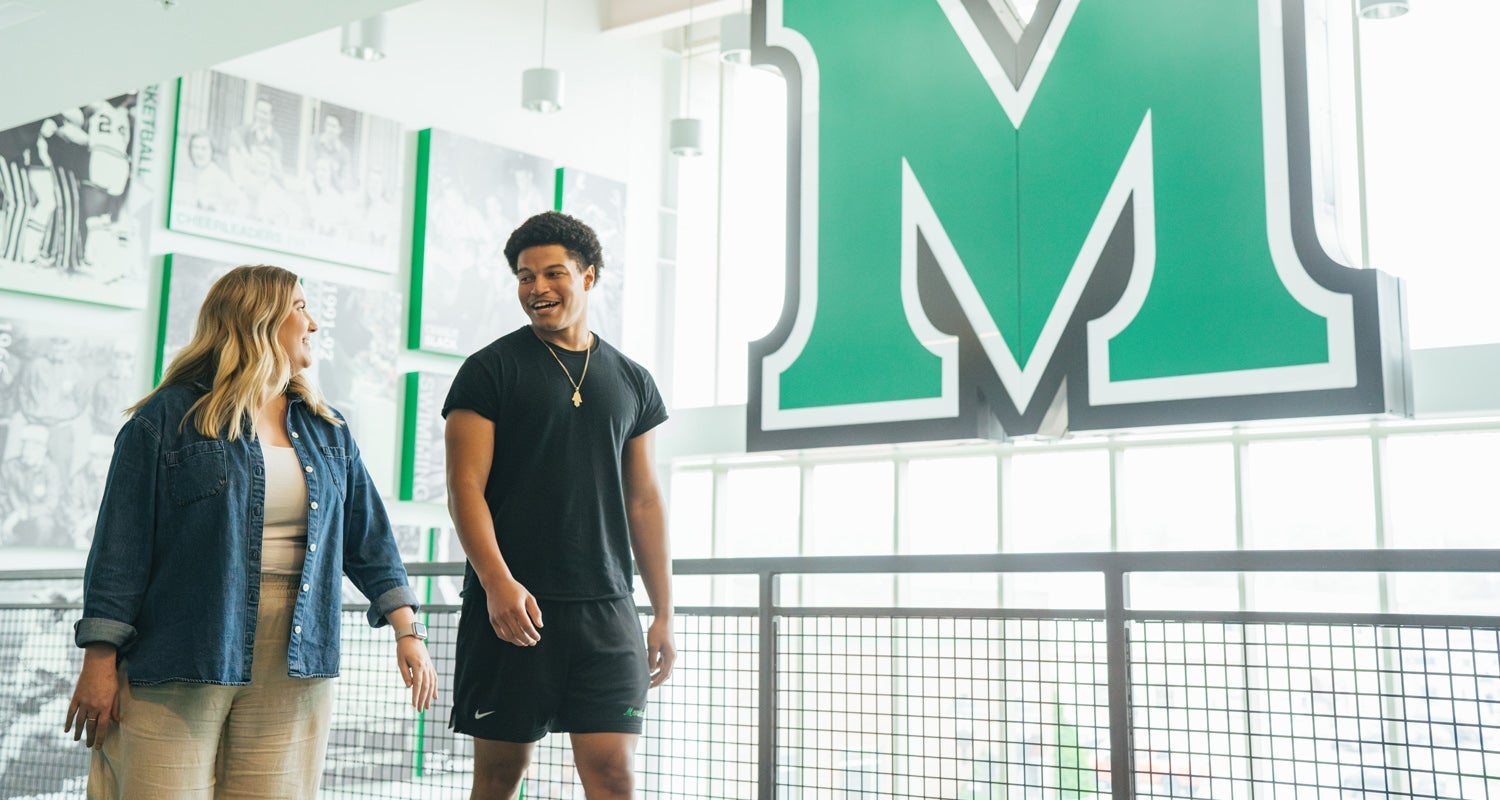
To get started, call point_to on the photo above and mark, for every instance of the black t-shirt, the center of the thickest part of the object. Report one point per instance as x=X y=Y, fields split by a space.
x=555 y=488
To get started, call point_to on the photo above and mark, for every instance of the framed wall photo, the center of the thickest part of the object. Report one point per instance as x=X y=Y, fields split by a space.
x=62 y=400
x=355 y=349
x=423 y=454
x=274 y=169
x=184 y=283
x=600 y=203
x=469 y=196
x=73 y=215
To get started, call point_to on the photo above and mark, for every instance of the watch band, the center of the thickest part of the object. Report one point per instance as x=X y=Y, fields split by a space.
x=415 y=629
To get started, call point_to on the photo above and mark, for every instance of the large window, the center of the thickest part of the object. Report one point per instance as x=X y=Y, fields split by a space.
x=1403 y=123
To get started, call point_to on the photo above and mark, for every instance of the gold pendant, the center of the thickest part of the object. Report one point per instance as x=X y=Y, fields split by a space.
x=577 y=399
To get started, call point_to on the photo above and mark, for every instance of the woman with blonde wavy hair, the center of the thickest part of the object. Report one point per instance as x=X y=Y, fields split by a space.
x=236 y=498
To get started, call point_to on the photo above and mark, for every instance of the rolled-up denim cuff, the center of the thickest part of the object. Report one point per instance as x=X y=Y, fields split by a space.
x=90 y=630
x=390 y=601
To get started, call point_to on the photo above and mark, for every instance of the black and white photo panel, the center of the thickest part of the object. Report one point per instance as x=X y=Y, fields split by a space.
x=470 y=195
x=423 y=454
x=63 y=395
x=354 y=350
x=73 y=217
x=600 y=203
x=278 y=170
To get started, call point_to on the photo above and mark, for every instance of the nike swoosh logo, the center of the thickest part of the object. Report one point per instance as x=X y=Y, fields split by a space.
x=482 y=714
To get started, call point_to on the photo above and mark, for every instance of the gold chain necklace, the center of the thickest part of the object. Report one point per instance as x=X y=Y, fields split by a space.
x=578 y=384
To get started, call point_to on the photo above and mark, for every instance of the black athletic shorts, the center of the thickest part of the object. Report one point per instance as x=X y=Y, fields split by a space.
x=588 y=674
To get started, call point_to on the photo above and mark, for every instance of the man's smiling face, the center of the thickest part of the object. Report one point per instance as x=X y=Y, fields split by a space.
x=552 y=288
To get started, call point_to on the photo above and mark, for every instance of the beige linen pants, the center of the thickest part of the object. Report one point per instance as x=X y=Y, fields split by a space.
x=180 y=740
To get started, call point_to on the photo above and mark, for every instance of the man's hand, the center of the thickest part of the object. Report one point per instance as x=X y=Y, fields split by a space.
x=514 y=613
x=96 y=699
x=415 y=666
x=661 y=651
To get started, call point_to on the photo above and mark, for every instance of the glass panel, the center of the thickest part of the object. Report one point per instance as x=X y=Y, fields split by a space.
x=760 y=519
x=1057 y=502
x=1310 y=493
x=1431 y=218
x=852 y=507
x=852 y=512
x=691 y=530
x=1054 y=590
x=1440 y=489
x=752 y=245
x=949 y=508
x=1183 y=591
x=1177 y=498
x=695 y=273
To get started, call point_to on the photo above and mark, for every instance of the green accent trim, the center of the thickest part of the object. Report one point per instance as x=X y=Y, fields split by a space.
x=419 y=239
x=161 y=320
x=172 y=166
x=420 y=765
x=409 y=439
x=557 y=189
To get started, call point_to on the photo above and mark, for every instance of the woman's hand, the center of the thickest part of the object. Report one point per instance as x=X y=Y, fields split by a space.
x=96 y=698
x=416 y=671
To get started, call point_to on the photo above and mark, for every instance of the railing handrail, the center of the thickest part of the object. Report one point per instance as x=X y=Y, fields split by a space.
x=1136 y=561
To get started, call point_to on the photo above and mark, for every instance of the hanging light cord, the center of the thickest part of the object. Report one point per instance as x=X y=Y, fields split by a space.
x=545 y=5
x=687 y=60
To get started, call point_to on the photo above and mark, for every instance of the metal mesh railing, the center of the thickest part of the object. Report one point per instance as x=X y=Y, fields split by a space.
x=887 y=705
x=1291 y=709
x=811 y=703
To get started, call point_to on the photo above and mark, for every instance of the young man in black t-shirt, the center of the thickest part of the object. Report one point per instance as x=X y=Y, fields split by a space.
x=551 y=488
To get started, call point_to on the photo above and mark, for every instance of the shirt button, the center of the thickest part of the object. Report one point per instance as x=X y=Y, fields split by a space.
x=312 y=548
x=307 y=469
x=313 y=505
x=297 y=629
x=305 y=587
x=295 y=436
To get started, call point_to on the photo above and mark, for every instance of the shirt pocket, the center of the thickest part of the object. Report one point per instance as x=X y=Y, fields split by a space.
x=338 y=467
x=197 y=471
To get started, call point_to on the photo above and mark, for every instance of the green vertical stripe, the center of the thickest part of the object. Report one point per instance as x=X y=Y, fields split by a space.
x=161 y=320
x=419 y=240
x=172 y=161
x=409 y=437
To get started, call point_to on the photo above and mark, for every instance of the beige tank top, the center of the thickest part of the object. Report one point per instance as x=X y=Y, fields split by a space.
x=284 y=541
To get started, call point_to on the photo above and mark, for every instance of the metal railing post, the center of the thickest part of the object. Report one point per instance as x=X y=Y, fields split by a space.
x=1117 y=647
x=767 y=742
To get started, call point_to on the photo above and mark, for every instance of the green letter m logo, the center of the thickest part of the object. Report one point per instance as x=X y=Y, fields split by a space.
x=1103 y=216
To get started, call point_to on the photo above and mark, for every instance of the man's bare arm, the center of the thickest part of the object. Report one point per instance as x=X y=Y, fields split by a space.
x=648 y=539
x=470 y=444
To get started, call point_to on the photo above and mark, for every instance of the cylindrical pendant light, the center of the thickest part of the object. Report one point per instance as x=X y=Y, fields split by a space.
x=542 y=87
x=1383 y=9
x=685 y=136
x=734 y=38
x=365 y=40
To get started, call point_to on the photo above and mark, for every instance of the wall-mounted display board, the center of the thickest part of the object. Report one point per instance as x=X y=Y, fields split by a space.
x=62 y=398
x=470 y=195
x=600 y=203
x=270 y=168
x=355 y=349
x=423 y=455
x=73 y=214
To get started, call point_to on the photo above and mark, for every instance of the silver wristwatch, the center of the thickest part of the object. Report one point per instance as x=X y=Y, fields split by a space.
x=416 y=629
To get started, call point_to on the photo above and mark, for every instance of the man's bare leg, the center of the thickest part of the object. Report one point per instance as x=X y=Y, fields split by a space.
x=606 y=764
x=499 y=768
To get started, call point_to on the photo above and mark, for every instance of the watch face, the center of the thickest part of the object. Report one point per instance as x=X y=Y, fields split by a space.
x=419 y=630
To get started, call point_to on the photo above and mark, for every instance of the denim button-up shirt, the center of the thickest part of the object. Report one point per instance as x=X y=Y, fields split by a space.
x=173 y=577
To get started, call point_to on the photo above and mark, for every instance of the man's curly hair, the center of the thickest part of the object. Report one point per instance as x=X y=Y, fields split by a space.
x=555 y=227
